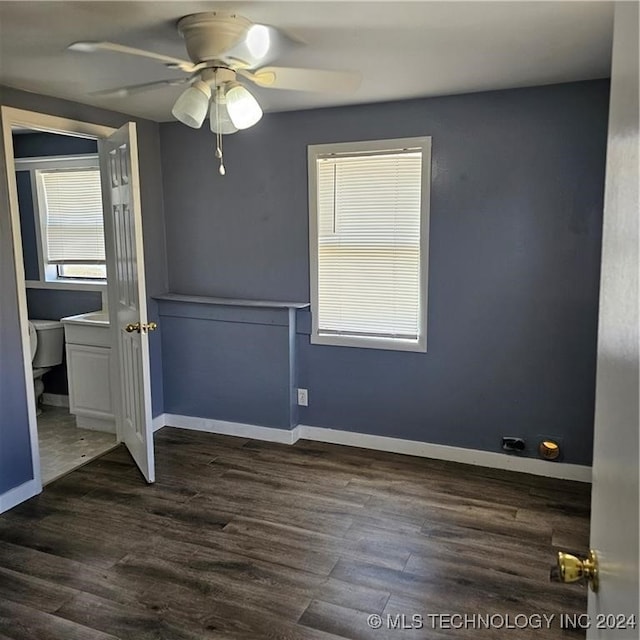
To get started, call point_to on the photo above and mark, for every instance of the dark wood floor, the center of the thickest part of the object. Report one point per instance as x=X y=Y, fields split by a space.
x=245 y=539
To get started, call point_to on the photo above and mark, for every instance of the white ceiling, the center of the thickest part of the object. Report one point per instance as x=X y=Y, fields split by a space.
x=402 y=49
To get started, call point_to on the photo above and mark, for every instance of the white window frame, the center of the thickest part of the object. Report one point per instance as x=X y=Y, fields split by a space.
x=48 y=273
x=316 y=151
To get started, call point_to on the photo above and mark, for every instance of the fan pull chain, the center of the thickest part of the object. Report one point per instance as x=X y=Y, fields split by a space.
x=221 y=169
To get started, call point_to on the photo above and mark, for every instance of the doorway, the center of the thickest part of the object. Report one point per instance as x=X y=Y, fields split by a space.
x=116 y=165
x=61 y=223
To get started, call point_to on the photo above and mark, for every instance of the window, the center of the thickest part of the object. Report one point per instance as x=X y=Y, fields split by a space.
x=369 y=222
x=67 y=199
x=82 y=271
x=70 y=205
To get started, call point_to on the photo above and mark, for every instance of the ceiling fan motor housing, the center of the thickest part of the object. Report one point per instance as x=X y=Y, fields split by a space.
x=209 y=35
x=217 y=76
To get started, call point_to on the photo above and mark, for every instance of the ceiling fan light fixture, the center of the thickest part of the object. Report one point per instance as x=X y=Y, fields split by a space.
x=242 y=107
x=192 y=105
x=219 y=119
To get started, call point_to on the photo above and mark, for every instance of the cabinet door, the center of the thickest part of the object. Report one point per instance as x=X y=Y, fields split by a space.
x=89 y=381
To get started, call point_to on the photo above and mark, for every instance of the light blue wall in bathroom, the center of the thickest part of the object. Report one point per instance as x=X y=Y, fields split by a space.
x=516 y=213
x=27 y=226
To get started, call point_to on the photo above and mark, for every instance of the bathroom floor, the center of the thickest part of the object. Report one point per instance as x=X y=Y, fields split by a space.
x=64 y=447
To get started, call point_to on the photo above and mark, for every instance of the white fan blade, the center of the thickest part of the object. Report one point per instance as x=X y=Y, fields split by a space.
x=121 y=92
x=174 y=63
x=304 y=79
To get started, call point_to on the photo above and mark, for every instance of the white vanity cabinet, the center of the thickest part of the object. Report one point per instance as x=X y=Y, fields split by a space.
x=89 y=370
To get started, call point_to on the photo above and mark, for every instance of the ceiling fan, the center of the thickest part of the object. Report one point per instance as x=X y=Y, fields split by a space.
x=223 y=47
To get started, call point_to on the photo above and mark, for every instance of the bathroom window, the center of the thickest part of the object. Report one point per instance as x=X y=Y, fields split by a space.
x=71 y=222
x=66 y=200
x=82 y=271
x=369 y=222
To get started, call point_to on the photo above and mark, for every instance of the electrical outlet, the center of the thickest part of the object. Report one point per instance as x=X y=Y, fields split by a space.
x=303 y=397
x=511 y=443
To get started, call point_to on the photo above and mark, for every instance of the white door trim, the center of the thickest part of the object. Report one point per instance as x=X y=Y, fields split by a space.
x=52 y=124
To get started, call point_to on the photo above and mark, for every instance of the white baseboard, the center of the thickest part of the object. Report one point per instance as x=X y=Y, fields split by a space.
x=490 y=459
x=158 y=422
x=19 y=494
x=96 y=424
x=255 y=432
x=55 y=400
x=535 y=466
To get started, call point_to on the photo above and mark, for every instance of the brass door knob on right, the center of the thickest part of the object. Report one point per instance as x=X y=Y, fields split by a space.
x=136 y=326
x=570 y=568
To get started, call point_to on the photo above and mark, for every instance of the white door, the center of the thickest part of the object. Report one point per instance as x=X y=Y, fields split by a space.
x=614 y=514
x=127 y=295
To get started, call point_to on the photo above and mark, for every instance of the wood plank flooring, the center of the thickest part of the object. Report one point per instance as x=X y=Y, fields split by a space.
x=241 y=539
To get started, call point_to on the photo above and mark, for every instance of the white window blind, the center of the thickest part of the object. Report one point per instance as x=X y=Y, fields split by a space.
x=369 y=244
x=73 y=224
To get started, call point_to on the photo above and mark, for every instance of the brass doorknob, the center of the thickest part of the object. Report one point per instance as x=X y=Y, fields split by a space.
x=571 y=569
x=136 y=326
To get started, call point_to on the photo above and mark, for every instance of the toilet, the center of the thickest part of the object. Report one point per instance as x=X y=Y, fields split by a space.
x=46 y=338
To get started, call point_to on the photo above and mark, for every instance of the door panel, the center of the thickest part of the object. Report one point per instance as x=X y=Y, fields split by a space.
x=127 y=295
x=614 y=513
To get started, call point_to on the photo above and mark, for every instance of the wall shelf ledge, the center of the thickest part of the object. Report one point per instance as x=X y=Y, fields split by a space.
x=230 y=302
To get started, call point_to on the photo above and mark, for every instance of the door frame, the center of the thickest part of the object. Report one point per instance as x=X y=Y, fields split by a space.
x=12 y=117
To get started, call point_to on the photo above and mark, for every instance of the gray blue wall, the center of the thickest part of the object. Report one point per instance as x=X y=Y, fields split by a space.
x=513 y=285
x=15 y=447
x=516 y=214
x=15 y=455
x=48 y=304
x=236 y=368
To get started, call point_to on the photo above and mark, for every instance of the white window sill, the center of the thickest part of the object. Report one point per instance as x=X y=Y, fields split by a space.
x=390 y=344
x=68 y=284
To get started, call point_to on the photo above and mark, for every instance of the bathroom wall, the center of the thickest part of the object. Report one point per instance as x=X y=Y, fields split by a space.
x=15 y=454
x=516 y=214
x=48 y=304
